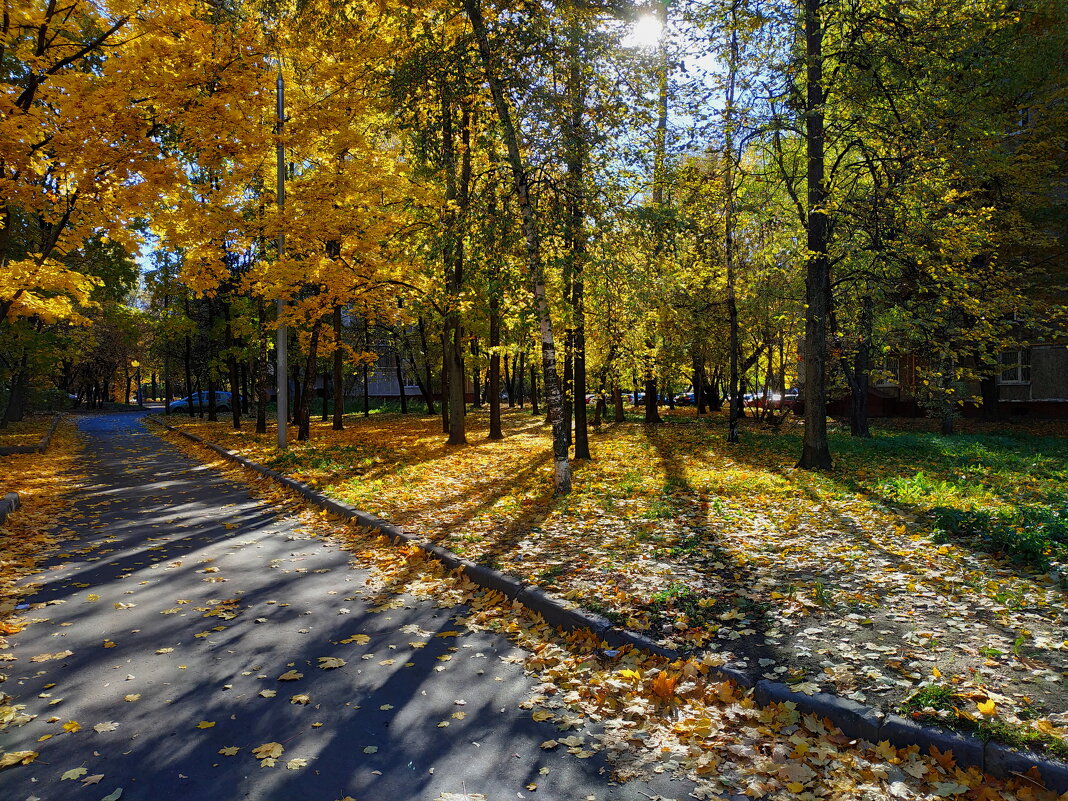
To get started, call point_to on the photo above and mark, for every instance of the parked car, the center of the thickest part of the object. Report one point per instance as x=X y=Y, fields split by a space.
x=686 y=399
x=773 y=400
x=198 y=400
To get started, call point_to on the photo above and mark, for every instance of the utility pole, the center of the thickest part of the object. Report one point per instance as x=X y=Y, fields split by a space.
x=282 y=343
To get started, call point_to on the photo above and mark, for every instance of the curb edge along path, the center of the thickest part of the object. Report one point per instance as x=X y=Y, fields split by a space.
x=40 y=447
x=854 y=719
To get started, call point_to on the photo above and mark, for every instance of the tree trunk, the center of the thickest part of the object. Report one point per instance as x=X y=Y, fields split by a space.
x=859 y=375
x=326 y=397
x=189 y=372
x=426 y=367
x=495 y=431
x=619 y=414
x=815 y=452
x=446 y=395
x=366 y=372
x=734 y=410
x=400 y=384
x=168 y=393
x=339 y=388
x=569 y=378
x=476 y=376
x=260 y=371
x=576 y=149
x=509 y=383
x=520 y=378
x=699 y=384
x=452 y=371
x=534 y=391
x=652 y=402
x=310 y=370
x=235 y=375
x=14 y=411
x=553 y=397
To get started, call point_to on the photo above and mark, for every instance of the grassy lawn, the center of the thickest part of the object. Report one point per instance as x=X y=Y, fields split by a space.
x=921 y=562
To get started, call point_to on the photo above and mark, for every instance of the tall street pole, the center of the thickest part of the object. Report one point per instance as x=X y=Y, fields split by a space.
x=282 y=343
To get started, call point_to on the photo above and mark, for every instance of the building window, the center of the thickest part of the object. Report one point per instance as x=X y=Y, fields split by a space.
x=1016 y=366
x=888 y=372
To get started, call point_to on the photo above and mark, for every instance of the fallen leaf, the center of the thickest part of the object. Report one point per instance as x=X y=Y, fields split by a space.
x=268 y=751
x=17 y=758
x=330 y=662
x=101 y=728
x=73 y=773
x=230 y=750
x=205 y=724
x=94 y=779
x=50 y=657
x=291 y=675
x=72 y=726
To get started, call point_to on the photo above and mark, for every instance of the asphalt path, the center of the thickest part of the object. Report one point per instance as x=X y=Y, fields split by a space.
x=181 y=601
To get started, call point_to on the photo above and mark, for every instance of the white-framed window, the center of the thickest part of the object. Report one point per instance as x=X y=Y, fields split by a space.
x=1016 y=366
x=887 y=372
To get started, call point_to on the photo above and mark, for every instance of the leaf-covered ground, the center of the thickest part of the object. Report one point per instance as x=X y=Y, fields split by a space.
x=25 y=432
x=651 y=715
x=839 y=582
x=43 y=482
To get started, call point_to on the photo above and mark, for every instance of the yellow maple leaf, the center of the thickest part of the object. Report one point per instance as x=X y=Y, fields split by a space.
x=987 y=707
x=72 y=726
x=230 y=750
x=17 y=758
x=268 y=751
x=205 y=724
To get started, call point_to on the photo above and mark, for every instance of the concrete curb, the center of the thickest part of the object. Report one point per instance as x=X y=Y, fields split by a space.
x=40 y=447
x=8 y=504
x=855 y=720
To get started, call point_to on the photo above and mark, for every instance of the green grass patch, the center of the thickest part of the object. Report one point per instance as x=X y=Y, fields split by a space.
x=942 y=698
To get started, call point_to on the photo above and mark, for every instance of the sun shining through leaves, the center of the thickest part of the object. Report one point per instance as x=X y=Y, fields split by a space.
x=644 y=33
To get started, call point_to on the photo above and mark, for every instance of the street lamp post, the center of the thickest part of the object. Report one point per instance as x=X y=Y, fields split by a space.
x=282 y=343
